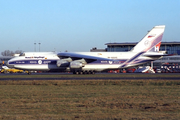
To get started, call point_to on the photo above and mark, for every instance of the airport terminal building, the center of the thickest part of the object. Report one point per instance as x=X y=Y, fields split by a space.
x=171 y=47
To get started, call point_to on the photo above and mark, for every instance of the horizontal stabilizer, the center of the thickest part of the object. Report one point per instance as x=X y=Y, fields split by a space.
x=156 y=55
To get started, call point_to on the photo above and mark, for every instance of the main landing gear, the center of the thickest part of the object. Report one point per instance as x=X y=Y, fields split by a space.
x=29 y=73
x=83 y=72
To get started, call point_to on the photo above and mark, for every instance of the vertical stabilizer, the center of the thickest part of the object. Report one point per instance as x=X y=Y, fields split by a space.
x=152 y=41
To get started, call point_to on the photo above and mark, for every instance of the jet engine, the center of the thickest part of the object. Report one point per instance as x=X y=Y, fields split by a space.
x=62 y=63
x=76 y=64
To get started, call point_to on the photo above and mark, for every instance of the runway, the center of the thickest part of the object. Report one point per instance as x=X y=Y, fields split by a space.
x=98 y=76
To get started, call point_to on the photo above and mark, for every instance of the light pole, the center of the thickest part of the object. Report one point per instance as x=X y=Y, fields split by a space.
x=39 y=46
x=35 y=47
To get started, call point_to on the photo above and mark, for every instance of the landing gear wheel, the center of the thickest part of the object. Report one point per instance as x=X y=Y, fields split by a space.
x=92 y=72
x=29 y=73
x=77 y=72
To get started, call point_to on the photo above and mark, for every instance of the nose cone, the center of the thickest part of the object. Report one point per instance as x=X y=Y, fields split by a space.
x=9 y=64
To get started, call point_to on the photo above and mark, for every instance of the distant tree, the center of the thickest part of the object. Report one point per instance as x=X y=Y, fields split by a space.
x=7 y=53
x=18 y=51
x=10 y=53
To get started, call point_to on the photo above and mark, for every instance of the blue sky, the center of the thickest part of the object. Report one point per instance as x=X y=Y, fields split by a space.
x=79 y=25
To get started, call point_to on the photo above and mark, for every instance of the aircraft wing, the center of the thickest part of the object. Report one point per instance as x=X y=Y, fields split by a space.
x=76 y=56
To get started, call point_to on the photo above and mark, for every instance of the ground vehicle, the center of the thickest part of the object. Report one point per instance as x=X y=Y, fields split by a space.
x=12 y=71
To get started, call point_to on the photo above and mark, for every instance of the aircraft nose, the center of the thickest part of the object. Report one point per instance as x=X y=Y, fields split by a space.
x=9 y=65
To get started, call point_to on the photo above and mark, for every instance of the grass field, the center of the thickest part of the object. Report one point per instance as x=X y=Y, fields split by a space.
x=90 y=99
x=120 y=75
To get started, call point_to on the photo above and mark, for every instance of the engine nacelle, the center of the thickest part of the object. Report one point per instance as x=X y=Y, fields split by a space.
x=62 y=63
x=76 y=64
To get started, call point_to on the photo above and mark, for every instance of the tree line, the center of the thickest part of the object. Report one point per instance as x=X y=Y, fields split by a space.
x=10 y=53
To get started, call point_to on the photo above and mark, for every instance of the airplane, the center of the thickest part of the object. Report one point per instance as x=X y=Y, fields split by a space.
x=90 y=62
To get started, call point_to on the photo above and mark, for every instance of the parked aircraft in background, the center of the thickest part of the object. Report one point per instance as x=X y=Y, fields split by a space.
x=90 y=62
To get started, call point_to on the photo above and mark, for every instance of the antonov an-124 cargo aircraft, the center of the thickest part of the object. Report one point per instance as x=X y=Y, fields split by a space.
x=90 y=62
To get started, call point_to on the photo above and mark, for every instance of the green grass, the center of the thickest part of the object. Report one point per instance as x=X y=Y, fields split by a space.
x=90 y=99
x=34 y=75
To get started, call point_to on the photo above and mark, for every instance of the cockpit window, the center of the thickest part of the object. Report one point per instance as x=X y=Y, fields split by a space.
x=22 y=54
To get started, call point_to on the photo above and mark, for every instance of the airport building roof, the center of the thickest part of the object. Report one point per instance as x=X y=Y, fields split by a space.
x=134 y=43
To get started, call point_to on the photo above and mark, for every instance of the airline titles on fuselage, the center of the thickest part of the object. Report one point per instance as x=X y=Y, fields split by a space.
x=36 y=57
x=34 y=62
x=111 y=62
x=40 y=62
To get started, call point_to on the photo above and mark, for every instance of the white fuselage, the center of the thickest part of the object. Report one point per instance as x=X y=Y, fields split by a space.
x=48 y=61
